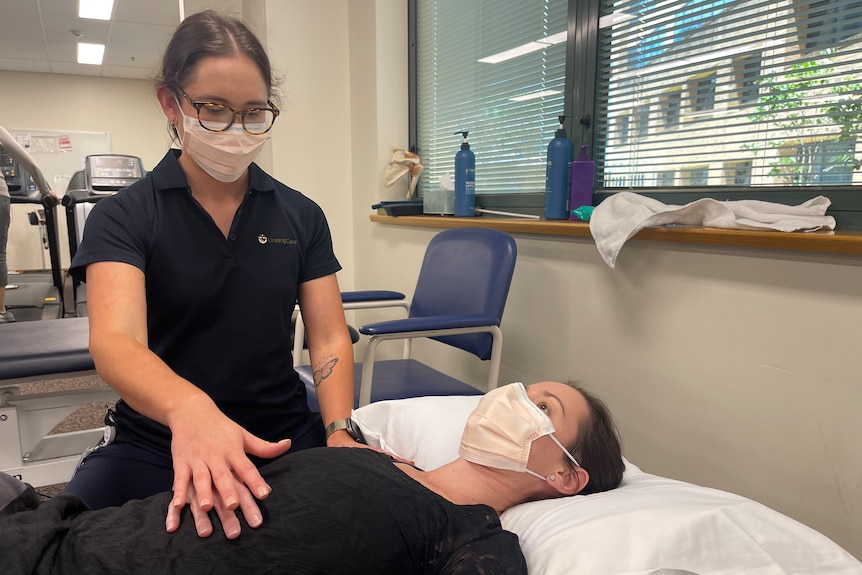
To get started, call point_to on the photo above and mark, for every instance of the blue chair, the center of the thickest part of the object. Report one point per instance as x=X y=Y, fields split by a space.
x=459 y=300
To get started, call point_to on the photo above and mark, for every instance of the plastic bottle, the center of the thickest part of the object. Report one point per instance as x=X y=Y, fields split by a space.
x=558 y=177
x=583 y=170
x=465 y=179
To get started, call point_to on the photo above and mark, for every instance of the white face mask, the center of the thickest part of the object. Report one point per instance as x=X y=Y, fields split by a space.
x=223 y=155
x=502 y=428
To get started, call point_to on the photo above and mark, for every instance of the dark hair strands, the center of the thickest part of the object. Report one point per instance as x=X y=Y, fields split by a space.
x=211 y=34
x=598 y=448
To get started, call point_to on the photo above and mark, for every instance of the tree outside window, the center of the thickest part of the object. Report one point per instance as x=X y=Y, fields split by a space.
x=818 y=119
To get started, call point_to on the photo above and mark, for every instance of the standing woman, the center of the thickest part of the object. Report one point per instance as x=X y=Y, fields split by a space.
x=192 y=275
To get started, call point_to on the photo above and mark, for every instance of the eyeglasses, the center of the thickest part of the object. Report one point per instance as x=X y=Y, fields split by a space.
x=218 y=117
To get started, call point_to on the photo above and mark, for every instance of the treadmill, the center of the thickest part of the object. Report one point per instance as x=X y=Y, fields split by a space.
x=38 y=294
x=103 y=175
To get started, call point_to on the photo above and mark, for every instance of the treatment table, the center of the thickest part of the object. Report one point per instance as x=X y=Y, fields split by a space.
x=37 y=351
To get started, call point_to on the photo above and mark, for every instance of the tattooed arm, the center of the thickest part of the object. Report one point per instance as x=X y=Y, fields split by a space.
x=331 y=351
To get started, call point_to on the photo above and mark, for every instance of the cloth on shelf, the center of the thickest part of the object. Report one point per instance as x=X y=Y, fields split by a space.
x=403 y=162
x=623 y=214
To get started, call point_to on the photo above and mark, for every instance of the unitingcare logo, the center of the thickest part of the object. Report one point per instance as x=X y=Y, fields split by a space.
x=264 y=239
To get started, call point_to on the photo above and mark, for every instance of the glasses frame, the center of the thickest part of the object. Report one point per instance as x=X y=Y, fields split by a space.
x=198 y=104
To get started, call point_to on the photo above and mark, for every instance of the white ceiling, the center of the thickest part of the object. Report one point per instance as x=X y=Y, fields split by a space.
x=36 y=36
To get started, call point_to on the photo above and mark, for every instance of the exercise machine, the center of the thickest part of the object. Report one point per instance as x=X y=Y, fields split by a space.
x=103 y=175
x=34 y=294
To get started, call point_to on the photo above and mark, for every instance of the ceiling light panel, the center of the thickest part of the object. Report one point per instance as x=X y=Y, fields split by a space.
x=90 y=53
x=95 y=9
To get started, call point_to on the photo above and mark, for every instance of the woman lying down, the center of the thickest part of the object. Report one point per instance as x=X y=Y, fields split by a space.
x=338 y=510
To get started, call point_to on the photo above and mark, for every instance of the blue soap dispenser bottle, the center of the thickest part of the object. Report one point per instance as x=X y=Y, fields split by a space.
x=465 y=179
x=558 y=175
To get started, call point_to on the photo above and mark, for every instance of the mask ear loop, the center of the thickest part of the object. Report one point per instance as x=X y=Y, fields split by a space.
x=534 y=474
x=174 y=128
x=566 y=451
x=552 y=477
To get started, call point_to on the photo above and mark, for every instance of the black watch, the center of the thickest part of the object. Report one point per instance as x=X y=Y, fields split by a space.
x=349 y=426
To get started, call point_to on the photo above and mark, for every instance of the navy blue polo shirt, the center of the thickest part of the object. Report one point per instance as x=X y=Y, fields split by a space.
x=218 y=309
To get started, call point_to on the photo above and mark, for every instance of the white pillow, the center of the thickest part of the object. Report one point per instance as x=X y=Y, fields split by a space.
x=649 y=525
x=425 y=430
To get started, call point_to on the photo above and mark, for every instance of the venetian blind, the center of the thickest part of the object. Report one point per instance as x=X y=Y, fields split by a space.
x=509 y=108
x=728 y=93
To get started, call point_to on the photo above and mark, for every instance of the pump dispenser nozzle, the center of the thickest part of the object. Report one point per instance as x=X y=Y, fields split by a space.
x=464 y=144
x=561 y=130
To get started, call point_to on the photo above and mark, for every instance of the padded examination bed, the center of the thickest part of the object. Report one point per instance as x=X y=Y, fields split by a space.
x=34 y=349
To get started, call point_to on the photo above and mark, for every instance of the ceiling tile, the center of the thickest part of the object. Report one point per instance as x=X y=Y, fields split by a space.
x=35 y=35
x=20 y=24
x=158 y=12
x=28 y=49
x=131 y=57
x=68 y=8
x=140 y=35
x=59 y=28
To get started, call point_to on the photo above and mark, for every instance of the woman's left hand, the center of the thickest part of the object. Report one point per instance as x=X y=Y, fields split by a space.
x=229 y=520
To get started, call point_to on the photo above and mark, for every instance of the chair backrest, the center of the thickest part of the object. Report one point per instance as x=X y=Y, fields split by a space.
x=466 y=271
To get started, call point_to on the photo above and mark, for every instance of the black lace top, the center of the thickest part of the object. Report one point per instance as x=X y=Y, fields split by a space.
x=332 y=511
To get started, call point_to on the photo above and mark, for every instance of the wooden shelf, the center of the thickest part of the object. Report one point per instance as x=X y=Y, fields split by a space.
x=839 y=242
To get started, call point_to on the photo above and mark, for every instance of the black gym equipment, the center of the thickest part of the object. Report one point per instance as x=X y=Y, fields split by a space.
x=103 y=175
x=34 y=295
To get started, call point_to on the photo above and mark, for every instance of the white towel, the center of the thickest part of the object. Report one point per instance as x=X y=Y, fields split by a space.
x=623 y=214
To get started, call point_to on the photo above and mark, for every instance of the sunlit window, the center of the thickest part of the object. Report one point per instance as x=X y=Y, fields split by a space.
x=670 y=96
x=770 y=86
x=494 y=68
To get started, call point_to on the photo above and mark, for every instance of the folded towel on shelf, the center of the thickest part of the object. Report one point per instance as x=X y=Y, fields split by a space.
x=623 y=214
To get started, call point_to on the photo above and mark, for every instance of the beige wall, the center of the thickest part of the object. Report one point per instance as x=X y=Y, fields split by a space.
x=737 y=369
x=126 y=109
x=308 y=43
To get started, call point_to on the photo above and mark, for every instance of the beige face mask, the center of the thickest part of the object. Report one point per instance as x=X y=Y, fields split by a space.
x=223 y=155
x=502 y=428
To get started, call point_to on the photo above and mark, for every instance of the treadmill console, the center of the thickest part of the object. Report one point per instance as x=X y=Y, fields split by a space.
x=108 y=173
x=11 y=171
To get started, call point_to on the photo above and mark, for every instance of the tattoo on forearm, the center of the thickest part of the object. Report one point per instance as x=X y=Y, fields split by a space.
x=324 y=370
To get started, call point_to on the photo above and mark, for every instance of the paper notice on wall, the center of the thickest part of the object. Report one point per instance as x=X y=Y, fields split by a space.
x=61 y=183
x=43 y=144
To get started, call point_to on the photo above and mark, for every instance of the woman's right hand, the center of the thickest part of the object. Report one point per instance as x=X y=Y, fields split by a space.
x=212 y=470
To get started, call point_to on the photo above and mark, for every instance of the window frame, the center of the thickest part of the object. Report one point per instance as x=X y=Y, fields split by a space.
x=580 y=85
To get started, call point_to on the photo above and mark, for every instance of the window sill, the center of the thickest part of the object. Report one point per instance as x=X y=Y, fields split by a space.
x=841 y=242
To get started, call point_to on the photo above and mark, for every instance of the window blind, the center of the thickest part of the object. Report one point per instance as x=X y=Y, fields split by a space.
x=509 y=105
x=728 y=93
